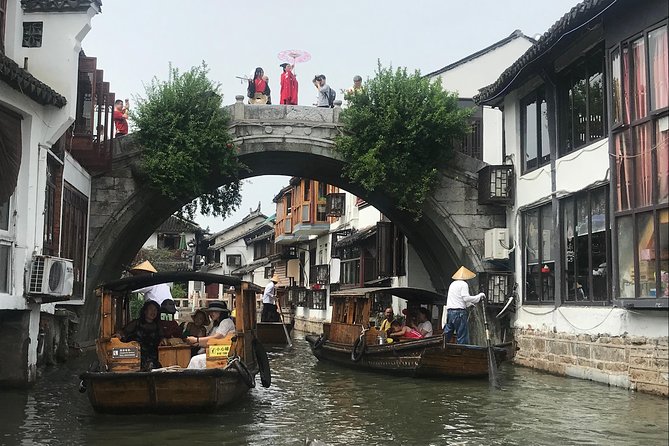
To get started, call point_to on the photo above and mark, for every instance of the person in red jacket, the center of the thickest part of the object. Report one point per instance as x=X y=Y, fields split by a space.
x=288 y=85
x=121 y=117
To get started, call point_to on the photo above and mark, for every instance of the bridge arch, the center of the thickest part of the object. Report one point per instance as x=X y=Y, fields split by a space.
x=283 y=140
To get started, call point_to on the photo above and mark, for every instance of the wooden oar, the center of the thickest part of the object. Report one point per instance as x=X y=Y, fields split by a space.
x=283 y=324
x=492 y=363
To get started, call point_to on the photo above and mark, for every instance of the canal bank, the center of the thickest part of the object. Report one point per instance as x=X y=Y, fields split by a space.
x=311 y=400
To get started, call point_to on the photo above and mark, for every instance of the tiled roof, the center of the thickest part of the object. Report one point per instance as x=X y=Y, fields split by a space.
x=250 y=267
x=20 y=80
x=59 y=5
x=576 y=18
x=177 y=225
x=514 y=35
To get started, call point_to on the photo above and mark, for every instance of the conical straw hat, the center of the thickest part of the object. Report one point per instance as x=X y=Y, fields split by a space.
x=463 y=274
x=144 y=266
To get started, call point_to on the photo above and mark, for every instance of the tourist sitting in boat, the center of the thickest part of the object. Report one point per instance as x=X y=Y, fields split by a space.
x=170 y=328
x=147 y=331
x=221 y=327
x=398 y=331
x=424 y=324
x=389 y=317
x=197 y=328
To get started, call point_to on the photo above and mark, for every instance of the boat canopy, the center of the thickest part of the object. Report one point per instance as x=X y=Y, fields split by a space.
x=144 y=280
x=418 y=295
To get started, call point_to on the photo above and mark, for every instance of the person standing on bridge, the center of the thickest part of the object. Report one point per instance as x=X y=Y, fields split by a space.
x=258 y=90
x=456 y=306
x=120 y=116
x=288 y=85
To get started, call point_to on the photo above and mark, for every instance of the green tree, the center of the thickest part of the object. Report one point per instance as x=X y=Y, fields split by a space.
x=184 y=131
x=398 y=131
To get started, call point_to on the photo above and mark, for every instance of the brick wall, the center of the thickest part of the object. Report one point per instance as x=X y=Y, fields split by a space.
x=308 y=325
x=632 y=362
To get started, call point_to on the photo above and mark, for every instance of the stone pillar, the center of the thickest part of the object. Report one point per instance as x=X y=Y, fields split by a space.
x=238 y=108
x=19 y=331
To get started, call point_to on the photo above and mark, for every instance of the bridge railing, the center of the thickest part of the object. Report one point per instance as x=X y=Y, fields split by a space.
x=283 y=113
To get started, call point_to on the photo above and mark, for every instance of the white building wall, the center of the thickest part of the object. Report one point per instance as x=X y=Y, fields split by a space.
x=466 y=79
x=492 y=136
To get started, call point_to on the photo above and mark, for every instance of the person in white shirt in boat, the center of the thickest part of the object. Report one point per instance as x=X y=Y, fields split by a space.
x=424 y=324
x=456 y=306
x=221 y=327
x=158 y=292
x=269 y=313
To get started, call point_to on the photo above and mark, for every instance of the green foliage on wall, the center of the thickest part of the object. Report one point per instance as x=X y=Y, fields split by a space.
x=184 y=131
x=398 y=130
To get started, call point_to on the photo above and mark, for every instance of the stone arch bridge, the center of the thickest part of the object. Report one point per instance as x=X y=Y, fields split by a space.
x=284 y=140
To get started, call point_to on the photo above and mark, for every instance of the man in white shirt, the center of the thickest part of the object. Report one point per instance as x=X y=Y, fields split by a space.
x=424 y=326
x=157 y=293
x=456 y=306
x=269 y=313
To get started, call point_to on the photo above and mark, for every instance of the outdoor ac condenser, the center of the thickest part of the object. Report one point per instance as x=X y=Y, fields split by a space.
x=50 y=276
x=495 y=244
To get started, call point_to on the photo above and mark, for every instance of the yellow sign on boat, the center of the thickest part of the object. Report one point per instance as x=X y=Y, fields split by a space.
x=218 y=350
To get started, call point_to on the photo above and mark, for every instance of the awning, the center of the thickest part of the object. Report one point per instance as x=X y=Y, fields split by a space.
x=250 y=267
x=418 y=295
x=356 y=237
x=135 y=282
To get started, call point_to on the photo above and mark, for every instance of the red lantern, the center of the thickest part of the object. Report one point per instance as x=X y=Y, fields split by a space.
x=545 y=269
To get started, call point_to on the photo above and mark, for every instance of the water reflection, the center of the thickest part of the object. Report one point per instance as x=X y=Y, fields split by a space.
x=311 y=400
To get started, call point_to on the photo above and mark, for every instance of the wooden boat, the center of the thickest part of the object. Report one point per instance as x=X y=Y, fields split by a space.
x=272 y=333
x=115 y=384
x=350 y=339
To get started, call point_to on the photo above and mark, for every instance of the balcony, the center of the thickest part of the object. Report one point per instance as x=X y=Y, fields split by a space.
x=92 y=131
x=312 y=220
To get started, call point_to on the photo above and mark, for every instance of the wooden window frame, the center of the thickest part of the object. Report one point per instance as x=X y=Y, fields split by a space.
x=540 y=255
x=3 y=24
x=536 y=96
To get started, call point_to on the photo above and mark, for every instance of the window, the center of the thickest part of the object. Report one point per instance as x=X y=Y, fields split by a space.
x=261 y=249
x=585 y=243
x=269 y=271
x=32 y=34
x=581 y=102
x=350 y=266
x=3 y=20
x=233 y=260
x=538 y=251
x=317 y=299
x=534 y=137
x=74 y=234
x=5 y=247
x=306 y=189
x=640 y=149
x=50 y=211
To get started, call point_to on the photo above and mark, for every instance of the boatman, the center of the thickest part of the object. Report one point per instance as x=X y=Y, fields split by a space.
x=159 y=292
x=269 y=313
x=456 y=306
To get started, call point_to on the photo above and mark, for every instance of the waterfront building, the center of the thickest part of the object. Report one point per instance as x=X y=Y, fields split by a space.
x=242 y=250
x=55 y=116
x=586 y=122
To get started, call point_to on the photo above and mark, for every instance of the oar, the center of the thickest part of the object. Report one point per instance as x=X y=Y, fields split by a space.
x=492 y=364
x=283 y=324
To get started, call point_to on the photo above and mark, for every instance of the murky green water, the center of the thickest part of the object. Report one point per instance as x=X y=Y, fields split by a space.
x=311 y=400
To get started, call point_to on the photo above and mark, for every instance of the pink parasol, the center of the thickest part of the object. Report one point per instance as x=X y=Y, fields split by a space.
x=293 y=56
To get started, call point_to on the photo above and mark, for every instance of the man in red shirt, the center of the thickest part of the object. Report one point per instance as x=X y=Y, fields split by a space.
x=120 y=118
x=288 y=85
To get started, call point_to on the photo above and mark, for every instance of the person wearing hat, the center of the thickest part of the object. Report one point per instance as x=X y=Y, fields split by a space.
x=288 y=85
x=456 y=306
x=221 y=327
x=269 y=313
x=158 y=292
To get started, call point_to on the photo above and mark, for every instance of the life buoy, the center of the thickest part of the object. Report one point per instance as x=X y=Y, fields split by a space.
x=359 y=347
x=263 y=364
x=320 y=341
x=244 y=372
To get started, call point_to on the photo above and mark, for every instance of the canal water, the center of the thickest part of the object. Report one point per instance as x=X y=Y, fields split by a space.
x=310 y=401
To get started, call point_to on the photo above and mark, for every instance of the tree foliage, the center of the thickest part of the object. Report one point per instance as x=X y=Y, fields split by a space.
x=184 y=132
x=398 y=130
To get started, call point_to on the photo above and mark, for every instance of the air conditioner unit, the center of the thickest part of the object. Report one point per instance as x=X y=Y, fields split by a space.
x=496 y=242
x=50 y=276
